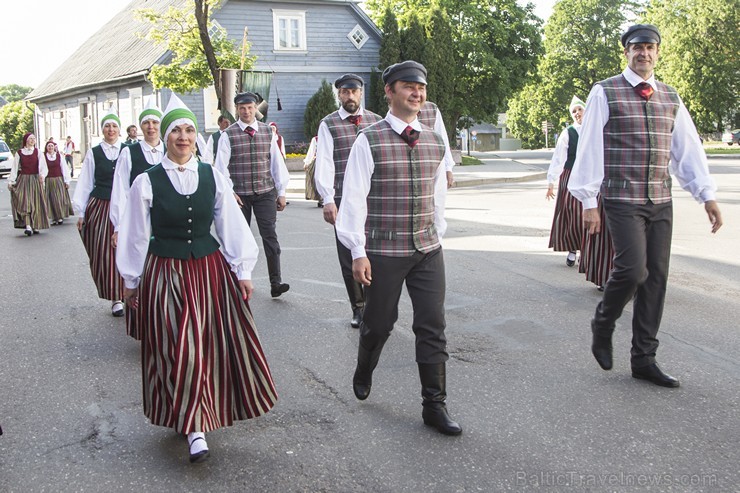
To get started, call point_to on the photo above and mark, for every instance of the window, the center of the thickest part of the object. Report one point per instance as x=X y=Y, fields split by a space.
x=357 y=36
x=289 y=28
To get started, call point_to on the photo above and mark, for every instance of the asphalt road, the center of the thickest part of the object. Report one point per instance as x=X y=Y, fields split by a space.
x=537 y=411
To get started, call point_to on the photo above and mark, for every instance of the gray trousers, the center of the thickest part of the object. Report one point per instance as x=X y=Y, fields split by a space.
x=264 y=207
x=641 y=235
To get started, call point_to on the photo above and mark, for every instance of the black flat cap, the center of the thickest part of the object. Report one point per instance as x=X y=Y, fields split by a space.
x=408 y=71
x=641 y=33
x=245 y=98
x=349 y=81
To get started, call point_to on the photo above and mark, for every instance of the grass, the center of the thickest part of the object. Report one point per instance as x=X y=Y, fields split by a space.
x=723 y=150
x=470 y=161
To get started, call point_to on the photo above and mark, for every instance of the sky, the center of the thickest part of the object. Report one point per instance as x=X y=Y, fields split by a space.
x=60 y=27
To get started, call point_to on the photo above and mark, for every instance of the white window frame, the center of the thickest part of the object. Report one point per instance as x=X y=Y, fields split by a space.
x=352 y=39
x=289 y=15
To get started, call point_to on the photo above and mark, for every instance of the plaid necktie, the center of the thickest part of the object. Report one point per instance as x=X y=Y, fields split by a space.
x=250 y=131
x=644 y=90
x=410 y=135
x=355 y=119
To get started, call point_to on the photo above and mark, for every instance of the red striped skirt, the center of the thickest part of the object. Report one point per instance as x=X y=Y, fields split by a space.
x=201 y=359
x=597 y=256
x=567 y=224
x=27 y=200
x=96 y=236
x=57 y=197
x=132 y=322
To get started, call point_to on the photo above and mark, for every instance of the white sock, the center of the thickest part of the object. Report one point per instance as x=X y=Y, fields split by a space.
x=571 y=255
x=196 y=445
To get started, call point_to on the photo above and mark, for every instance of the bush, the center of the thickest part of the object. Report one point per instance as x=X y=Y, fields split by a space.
x=15 y=120
x=321 y=104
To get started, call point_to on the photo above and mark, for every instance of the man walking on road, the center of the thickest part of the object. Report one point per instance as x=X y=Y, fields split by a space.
x=337 y=132
x=634 y=130
x=69 y=149
x=392 y=219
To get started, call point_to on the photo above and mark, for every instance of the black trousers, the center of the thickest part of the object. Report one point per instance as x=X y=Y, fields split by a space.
x=264 y=207
x=424 y=275
x=355 y=290
x=641 y=235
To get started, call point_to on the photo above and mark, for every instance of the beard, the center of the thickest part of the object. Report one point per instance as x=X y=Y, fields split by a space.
x=350 y=106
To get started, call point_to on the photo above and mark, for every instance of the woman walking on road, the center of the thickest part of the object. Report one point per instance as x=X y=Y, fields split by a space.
x=92 y=203
x=202 y=363
x=56 y=185
x=25 y=183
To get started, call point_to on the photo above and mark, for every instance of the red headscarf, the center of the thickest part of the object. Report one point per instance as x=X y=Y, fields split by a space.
x=25 y=138
x=279 y=137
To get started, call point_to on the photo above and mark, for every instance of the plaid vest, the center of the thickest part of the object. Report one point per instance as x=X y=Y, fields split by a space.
x=344 y=134
x=249 y=165
x=400 y=204
x=572 y=147
x=428 y=114
x=105 y=170
x=637 y=143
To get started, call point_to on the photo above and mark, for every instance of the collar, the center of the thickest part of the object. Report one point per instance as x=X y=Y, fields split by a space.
x=191 y=165
x=145 y=145
x=343 y=114
x=243 y=125
x=635 y=79
x=106 y=145
x=51 y=156
x=399 y=125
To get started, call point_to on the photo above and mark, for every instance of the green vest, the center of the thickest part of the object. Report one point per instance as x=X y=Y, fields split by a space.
x=216 y=135
x=139 y=164
x=105 y=169
x=572 y=147
x=181 y=224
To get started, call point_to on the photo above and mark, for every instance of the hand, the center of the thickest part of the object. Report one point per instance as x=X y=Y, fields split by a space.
x=10 y=187
x=238 y=200
x=66 y=185
x=247 y=288
x=592 y=221
x=80 y=223
x=361 y=271
x=450 y=179
x=550 y=192
x=330 y=213
x=131 y=297
x=114 y=240
x=280 y=203
x=715 y=216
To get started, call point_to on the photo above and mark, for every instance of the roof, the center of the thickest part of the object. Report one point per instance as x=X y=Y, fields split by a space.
x=113 y=53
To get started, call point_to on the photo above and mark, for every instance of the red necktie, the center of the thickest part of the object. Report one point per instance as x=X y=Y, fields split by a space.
x=355 y=119
x=250 y=131
x=644 y=90
x=410 y=135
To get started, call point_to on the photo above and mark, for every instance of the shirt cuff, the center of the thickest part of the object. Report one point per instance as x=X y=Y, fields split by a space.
x=280 y=192
x=358 y=252
x=590 y=203
x=706 y=196
x=132 y=284
x=243 y=274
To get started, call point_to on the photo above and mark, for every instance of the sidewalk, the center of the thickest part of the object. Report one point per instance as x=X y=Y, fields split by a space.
x=494 y=169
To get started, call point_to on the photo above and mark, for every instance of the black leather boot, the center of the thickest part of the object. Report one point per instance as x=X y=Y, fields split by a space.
x=433 y=391
x=277 y=287
x=357 y=300
x=366 y=363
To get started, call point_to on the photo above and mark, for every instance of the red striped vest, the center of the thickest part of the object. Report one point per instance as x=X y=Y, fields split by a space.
x=400 y=204
x=637 y=143
x=249 y=165
x=344 y=133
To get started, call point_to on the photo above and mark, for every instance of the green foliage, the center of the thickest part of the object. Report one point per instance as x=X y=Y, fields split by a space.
x=390 y=53
x=699 y=56
x=439 y=55
x=177 y=31
x=581 y=48
x=413 y=39
x=14 y=92
x=321 y=104
x=16 y=119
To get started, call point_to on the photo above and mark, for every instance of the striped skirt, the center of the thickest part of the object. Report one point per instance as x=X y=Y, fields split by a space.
x=201 y=359
x=96 y=236
x=57 y=197
x=597 y=256
x=311 y=192
x=28 y=201
x=132 y=322
x=567 y=224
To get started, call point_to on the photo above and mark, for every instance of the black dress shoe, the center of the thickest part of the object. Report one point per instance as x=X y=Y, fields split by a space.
x=653 y=374
x=278 y=289
x=439 y=418
x=601 y=348
x=356 y=318
x=568 y=261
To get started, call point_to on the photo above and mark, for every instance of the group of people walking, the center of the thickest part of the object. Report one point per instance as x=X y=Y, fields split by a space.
x=147 y=212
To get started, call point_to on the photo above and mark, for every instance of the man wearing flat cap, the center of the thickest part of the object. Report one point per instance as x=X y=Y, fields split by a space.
x=635 y=131
x=249 y=156
x=337 y=133
x=392 y=220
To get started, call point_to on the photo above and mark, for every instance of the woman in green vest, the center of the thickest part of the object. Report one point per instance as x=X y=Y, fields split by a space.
x=203 y=364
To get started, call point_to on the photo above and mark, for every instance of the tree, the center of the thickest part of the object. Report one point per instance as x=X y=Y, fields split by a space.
x=390 y=53
x=413 y=39
x=441 y=63
x=185 y=33
x=16 y=119
x=699 y=57
x=321 y=104
x=581 y=48
x=14 y=92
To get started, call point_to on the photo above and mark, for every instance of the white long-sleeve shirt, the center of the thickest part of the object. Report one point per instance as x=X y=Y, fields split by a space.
x=15 y=167
x=350 y=224
x=62 y=163
x=236 y=239
x=560 y=156
x=278 y=169
x=86 y=180
x=439 y=127
x=122 y=178
x=208 y=156
x=688 y=161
